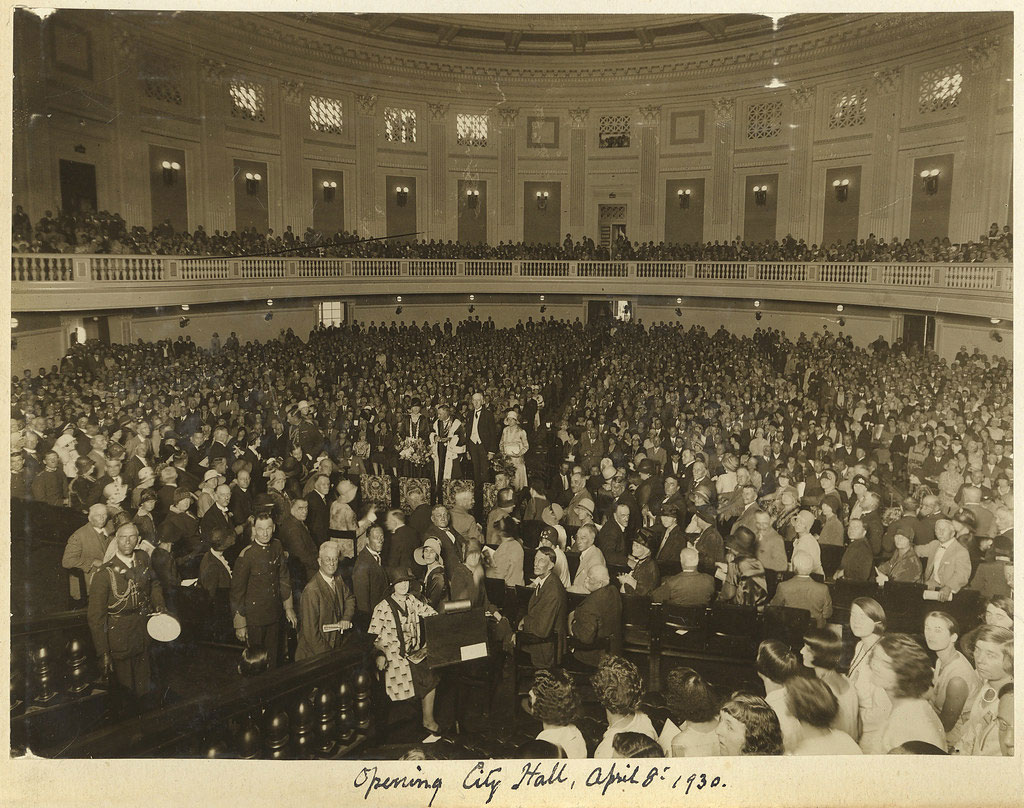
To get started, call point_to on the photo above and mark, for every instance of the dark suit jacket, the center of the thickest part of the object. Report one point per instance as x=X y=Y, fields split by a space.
x=670 y=545
x=688 y=588
x=213 y=577
x=302 y=550
x=451 y=551
x=648 y=577
x=597 y=621
x=399 y=546
x=614 y=543
x=486 y=429
x=369 y=582
x=546 y=617
x=876 y=532
x=805 y=593
x=858 y=561
x=320 y=605
x=318 y=520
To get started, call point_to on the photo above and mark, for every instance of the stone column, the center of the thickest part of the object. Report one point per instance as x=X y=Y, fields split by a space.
x=648 y=132
x=974 y=180
x=131 y=153
x=437 y=173
x=370 y=222
x=801 y=156
x=507 y=174
x=885 y=151
x=721 y=225
x=36 y=183
x=296 y=203
x=217 y=209
x=577 y=172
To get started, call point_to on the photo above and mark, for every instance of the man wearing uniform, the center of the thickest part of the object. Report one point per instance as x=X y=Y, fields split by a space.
x=260 y=587
x=123 y=593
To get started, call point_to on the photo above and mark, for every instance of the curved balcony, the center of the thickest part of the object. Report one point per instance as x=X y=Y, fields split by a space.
x=97 y=282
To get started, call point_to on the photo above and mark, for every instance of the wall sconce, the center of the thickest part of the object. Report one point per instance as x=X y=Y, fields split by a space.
x=401 y=195
x=683 y=194
x=270 y=301
x=329 y=188
x=760 y=195
x=472 y=198
x=268 y=316
x=842 y=189
x=252 y=183
x=184 y=306
x=931 y=181
x=182 y=322
x=170 y=171
x=542 y=200
x=757 y=316
x=398 y=309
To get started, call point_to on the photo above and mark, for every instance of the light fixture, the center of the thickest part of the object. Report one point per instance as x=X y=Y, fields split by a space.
x=760 y=195
x=757 y=304
x=184 y=306
x=839 y=307
x=683 y=195
x=841 y=188
x=842 y=322
x=398 y=309
x=679 y=300
x=182 y=322
x=401 y=194
x=775 y=84
x=329 y=188
x=170 y=171
x=252 y=182
x=757 y=316
x=542 y=200
x=270 y=301
x=679 y=312
x=268 y=316
x=398 y=299
x=931 y=181
x=994 y=321
x=472 y=198
x=14 y=323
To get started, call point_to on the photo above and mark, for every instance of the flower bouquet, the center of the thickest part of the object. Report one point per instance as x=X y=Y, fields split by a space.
x=415 y=451
x=501 y=464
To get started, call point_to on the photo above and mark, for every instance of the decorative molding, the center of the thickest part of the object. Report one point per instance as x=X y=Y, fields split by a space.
x=291 y=91
x=887 y=81
x=803 y=97
x=725 y=109
x=437 y=111
x=367 y=104
x=650 y=114
x=983 y=55
x=508 y=115
x=127 y=45
x=578 y=117
x=213 y=71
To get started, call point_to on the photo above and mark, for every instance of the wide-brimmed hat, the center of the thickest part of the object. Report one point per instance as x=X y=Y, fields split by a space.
x=743 y=542
x=587 y=505
x=432 y=543
x=398 y=574
x=347 y=491
x=212 y=474
x=647 y=466
x=552 y=514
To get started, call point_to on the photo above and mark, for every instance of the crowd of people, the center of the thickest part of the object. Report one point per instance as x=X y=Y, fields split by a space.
x=674 y=464
x=107 y=233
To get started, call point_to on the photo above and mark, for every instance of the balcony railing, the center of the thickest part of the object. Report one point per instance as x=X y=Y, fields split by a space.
x=31 y=268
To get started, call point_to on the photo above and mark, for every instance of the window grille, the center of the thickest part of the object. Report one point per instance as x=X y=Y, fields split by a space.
x=940 y=89
x=764 y=120
x=399 y=125
x=613 y=132
x=848 y=108
x=248 y=101
x=471 y=130
x=325 y=114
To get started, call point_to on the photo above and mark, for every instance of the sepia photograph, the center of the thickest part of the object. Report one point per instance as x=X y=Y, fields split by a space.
x=481 y=401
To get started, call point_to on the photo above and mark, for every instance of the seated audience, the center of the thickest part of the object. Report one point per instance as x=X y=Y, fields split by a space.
x=694 y=710
x=555 y=702
x=813 y=704
x=993 y=662
x=955 y=681
x=748 y=726
x=689 y=587
x=619 y=688
x=801 y=592
x=595 y=626
x=901 y=667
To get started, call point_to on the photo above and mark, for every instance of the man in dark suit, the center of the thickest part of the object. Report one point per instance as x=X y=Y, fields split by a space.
x=596 y=624
x=650 y=489
x=402 y=540
x=318 y=518
x=370 y=583
x=217 y=516
x=672 y=538
x=544 y=624
x=615 y=536
x=899 y=449
x=481 y=440
x=689 y=587
x=295 y=538
x=858 y=561
x=802 y=592
x=561 y=487
x=452 y=543
x=326 y=608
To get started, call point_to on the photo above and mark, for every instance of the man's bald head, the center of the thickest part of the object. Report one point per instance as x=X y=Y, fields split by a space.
x=803 y=564
x=689 y=558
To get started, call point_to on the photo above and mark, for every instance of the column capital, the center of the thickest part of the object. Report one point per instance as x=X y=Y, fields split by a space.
x=578 y=117
x=650 y=115
x=437 y=111
x=291 y=91
x=127 y=45
x=887 y=81
x=803 y=97
x=213 y=71
x=725 y=108
x=367 y=104
x=984 y=54
x=508 y=115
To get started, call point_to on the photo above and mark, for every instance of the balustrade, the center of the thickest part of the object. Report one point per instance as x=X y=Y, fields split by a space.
x=544 y=269
x=205 y=269
x=602 y=269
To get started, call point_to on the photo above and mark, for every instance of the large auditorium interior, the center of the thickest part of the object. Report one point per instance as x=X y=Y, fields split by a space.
x=413 y=387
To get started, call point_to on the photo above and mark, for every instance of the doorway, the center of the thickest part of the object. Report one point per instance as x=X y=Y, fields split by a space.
x=919 y=331
x=77 y=187
x=598 y=310
x=611 y=220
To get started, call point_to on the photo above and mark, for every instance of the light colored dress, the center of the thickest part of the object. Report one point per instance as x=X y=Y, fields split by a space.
x=568 y=738
x=692 y=741
x=959 y=667
x=874 y=705
x=912 y=720
x=514 y=446
x=981 y=732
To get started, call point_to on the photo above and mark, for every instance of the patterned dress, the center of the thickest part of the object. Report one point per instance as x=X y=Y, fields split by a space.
x=398 y=679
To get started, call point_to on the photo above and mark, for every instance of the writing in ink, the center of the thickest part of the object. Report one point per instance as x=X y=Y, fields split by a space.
x=533 y=776
x=473 y=780
x=368 y=777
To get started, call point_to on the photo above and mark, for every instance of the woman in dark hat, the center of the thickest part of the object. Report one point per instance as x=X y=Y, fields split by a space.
x=397 y=626
x=744 y=582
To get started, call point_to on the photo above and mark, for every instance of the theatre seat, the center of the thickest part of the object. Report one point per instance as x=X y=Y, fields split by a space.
x=733 y=631
x=785 y=623
x=684 y=629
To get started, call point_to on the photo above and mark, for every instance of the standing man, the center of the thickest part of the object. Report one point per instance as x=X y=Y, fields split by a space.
x=327 y=608
x=446 y=444
x=369 y=581
x=123 y=593
x=85 y=549
x=482 y=442
x=261 y=590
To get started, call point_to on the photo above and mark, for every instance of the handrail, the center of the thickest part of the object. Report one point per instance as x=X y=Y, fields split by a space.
x=33 y=270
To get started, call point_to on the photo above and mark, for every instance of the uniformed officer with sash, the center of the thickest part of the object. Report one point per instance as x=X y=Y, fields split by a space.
x=123 y=594
x=260 y=589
